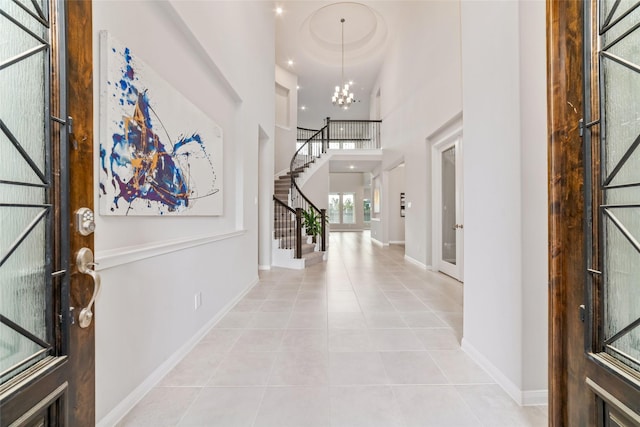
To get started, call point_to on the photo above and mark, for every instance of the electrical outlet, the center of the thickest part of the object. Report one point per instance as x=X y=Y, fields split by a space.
x=197 y=300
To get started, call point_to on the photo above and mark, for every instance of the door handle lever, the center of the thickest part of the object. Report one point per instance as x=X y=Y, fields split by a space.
x=85 y=264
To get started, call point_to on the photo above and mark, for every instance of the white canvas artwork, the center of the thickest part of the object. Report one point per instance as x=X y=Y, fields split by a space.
x=159 y=154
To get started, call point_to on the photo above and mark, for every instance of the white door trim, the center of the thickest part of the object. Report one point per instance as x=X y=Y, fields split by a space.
x=452 y=136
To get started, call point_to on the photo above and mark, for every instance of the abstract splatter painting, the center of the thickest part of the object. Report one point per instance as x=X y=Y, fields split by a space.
x=159 y=154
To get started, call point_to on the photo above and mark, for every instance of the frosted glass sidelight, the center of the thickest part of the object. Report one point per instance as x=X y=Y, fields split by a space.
x=622 y=115
x=23 y=298
x=621 y=224
x=24 y=221
x=449 y=205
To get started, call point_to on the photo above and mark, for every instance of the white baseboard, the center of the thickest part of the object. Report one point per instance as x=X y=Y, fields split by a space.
x=416 y=262
x=378 y=242
x=129 y=402
x=396 y=242
x=264 y=267
x=522 y=398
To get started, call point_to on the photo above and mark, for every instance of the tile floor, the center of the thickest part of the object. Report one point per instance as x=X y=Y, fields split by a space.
x=364 y=339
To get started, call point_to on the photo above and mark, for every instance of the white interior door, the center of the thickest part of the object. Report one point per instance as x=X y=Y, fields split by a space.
x=448 y=227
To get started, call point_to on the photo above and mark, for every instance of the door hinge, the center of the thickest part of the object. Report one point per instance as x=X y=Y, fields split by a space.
x=583 y=312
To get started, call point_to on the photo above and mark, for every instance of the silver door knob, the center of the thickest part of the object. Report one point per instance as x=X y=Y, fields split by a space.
x=85 y=264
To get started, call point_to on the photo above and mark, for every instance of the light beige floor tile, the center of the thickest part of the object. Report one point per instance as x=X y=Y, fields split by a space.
x=163 y=406
x=376 y=305
x=282 y=295
x=343 y=306
x=412 y=367
x=312 y=295
x=304 y=340
x=294 y=407
x=460 y=368
x=220 y=340
x=318 y=286
x=259 y=292
x=350 y=340
x=259 y=340
x=347 y=321
x=277 y=306
x=275 y=320
x=437 y=406
x=354 y=368
x=438 y=338
x=195 y=369
x=395 y=339
x=362 y=295
x=247 y=306
x=235 y=320
x=341 y=285
x=364 y=406
x=307 y=368
x=409 y=305
x=341 y=295
x=392 y=285
x=307 y=321
x=310 y=306
x=443 y=304
x=293 y=285
x=224 y=406
x=422 y=319
x=495 y=408
x=243 y=369
x=398 y=294
x=392 y=320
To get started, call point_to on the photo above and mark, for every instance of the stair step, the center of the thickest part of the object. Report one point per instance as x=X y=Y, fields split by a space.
x=313 y=258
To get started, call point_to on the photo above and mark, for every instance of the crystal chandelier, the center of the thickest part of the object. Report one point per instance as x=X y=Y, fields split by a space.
x=342 y=97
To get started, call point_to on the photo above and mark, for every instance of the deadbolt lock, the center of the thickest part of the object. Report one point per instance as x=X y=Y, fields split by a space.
x=85 y=223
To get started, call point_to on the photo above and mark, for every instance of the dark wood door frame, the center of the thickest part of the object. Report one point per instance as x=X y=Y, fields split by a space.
x=566 y=212
x=80 y=106
x=583 y=384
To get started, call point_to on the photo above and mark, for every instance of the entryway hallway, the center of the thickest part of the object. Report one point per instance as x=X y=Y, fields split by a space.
x=364 y=339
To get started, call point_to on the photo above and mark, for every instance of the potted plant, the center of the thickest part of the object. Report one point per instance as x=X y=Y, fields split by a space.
x=312 y=223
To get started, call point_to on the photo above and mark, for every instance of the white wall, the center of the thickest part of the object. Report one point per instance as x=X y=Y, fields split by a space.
x=505 y=317
x=420 y=90
x=534 y=195
x=316 y=187
x=286 y=132
x=152 y=267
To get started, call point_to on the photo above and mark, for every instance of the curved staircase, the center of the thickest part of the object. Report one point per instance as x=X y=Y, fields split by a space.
x=291 y=248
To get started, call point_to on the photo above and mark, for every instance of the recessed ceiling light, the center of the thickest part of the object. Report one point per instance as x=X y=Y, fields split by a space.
x=303 y=108
x=350 y=82
x=290 y=62
x=278 y=10
x=297 y=87
x=352 y=167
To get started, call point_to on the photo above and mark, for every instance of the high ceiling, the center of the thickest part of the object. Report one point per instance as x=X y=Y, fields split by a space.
x=309 y=34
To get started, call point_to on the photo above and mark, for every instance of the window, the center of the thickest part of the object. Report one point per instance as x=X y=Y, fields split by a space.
x=334 y=208
x=348 y=208
x=342 y=208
